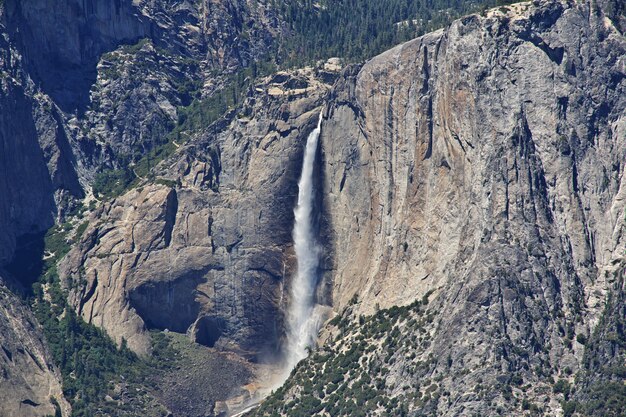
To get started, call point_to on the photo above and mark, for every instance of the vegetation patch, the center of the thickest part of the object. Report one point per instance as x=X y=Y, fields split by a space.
x=350 y=375
x=359 y=29
x=99 y=379
x=599 y=388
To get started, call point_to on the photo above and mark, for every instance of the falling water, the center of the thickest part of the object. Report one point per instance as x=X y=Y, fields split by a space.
x=304 y=317
x=302 y=323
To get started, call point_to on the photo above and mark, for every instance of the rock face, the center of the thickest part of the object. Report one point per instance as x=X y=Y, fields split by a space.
x=36 y=158
x=28 y=379
x=205 y=249
x=37 y=173
x=430 y=134
x=187 y=52
x=600 y=384
x=79 y=83
x=485 y=163
x=62 y=41
x=117 y=102
x=74 y=98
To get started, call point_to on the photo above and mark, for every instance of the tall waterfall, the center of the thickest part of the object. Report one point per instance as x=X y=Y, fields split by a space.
x=302 y=322
x=304 y=317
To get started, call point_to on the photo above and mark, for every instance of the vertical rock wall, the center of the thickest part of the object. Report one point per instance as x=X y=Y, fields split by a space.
x=485 y=162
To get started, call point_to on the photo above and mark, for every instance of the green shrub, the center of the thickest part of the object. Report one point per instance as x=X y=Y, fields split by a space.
x=112 y=183
x=80 y=230
x=562 y=387
x=166 y=182
x=569 y=408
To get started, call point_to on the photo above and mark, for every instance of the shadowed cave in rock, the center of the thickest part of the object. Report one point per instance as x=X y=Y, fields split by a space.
x=167 y=305
x=208 y=330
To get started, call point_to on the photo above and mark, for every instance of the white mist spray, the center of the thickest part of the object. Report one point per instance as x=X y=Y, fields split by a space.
x=302 y=323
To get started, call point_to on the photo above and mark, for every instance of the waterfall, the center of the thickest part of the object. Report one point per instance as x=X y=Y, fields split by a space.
x=302 y=322
x=304 y=318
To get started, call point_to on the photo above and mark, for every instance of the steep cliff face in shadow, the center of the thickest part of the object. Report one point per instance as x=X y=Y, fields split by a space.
x=36 y=160
x=36 y=173
x=62 y=41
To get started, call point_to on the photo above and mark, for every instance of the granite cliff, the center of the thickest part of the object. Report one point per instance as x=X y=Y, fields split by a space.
x=35 y=163
x=481 y=167
x=88 y=86
x=92 y=85
x=205 y=249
